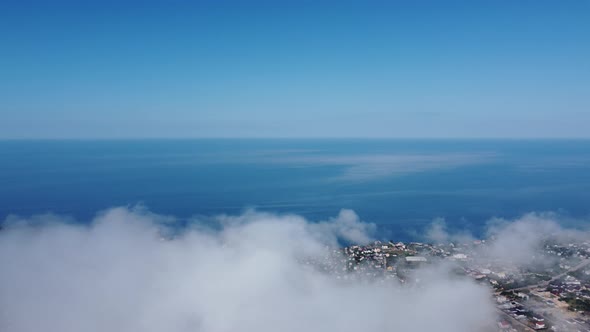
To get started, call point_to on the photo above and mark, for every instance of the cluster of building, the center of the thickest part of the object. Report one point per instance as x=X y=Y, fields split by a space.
x=517 y=315
x=391 y=260
x=552 y=296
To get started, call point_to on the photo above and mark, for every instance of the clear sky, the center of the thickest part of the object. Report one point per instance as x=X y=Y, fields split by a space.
x=412 y=68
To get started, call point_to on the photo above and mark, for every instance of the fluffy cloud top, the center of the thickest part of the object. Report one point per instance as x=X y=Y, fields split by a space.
x=123 y=272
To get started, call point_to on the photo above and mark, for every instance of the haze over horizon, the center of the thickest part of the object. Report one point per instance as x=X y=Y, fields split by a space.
x=453 y=69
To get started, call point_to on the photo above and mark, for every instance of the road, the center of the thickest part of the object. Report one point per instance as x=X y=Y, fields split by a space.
x=516 y=322
x=545 y=283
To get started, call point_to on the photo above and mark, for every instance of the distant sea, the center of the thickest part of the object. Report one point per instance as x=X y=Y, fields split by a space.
x=401 y=185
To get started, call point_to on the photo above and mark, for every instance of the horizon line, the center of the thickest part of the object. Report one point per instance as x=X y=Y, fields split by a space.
x=186 y=138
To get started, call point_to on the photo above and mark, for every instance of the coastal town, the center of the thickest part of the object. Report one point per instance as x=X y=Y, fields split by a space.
x=549 y=292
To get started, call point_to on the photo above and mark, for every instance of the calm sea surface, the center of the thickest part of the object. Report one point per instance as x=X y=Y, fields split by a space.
x=401 y=185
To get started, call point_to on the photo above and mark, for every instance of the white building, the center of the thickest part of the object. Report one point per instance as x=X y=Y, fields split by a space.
x=415 y=259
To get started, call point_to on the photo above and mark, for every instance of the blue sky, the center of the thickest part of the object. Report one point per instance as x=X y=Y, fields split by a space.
x=116 y=69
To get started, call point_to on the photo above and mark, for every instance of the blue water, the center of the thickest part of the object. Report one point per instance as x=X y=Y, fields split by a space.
x=401 y=185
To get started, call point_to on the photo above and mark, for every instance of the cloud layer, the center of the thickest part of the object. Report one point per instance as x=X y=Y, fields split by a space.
x=516 y=242
x=125 y=272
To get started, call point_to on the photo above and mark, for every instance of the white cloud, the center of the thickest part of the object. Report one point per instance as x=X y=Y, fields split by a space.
x=520 y=240
x=517 y=242
x=117 y=274
x=438 y=233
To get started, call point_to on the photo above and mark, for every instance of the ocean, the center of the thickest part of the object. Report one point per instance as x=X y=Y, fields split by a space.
x=400 y=185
